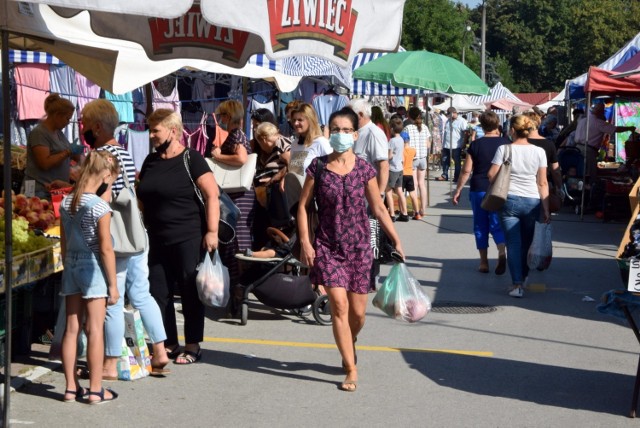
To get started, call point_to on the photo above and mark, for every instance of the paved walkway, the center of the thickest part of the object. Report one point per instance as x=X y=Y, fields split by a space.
x=549 y=359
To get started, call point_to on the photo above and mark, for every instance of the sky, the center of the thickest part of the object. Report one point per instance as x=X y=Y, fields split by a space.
x=470 y=3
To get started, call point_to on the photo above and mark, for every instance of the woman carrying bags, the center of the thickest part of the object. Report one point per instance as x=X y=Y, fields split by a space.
x=341 y=256
x=180 y=227
x=99 y=121
x=528 y=193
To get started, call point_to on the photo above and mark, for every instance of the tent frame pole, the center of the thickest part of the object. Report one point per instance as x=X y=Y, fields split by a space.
x=8 y=251
x=584 y=170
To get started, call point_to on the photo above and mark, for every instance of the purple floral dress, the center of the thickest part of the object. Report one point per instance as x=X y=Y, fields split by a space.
x=343 y=249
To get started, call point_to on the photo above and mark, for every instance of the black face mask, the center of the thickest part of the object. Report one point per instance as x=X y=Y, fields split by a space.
x=163 y=147
x=90 y=138
x=102 y=188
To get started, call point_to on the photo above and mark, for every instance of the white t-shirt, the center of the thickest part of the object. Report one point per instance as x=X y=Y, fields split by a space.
x=302 y=156
x=525 y=161
x=372 y=145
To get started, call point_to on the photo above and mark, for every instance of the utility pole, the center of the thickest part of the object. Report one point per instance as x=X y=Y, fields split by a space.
x=483 y=44
x=467 y=29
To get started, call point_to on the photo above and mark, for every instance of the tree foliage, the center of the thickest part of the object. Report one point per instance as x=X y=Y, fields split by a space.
x=532 y=45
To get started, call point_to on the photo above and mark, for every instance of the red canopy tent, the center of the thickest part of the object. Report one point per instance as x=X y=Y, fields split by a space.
x=600 y=83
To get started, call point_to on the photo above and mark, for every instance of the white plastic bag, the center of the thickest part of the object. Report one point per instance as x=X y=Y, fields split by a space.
x=401 y=296
x=213 y=282
x=541 y=249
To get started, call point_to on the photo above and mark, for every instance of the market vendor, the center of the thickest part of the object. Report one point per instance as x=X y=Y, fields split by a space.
x=48 y=150
x=598 y=128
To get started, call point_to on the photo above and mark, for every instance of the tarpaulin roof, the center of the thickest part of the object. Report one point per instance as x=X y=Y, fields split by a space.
x=599 y=82
x=575 y=87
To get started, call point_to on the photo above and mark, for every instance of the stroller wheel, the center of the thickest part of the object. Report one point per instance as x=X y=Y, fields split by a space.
x=322 y=310
x=244 y=313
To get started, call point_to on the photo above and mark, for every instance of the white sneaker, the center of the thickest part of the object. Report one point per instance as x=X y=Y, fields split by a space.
x=517 y=292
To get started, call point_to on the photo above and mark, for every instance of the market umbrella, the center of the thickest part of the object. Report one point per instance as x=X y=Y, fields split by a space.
x=423 y=70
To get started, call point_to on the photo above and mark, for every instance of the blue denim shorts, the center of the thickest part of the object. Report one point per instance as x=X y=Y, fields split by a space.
x=82 y=274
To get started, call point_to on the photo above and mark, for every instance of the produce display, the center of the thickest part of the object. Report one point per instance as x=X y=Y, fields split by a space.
x=28 y=214
x=37 y=212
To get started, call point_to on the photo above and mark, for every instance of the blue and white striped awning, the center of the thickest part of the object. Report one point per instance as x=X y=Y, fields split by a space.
x=32 y=57
x=305 y=66
x=314 y=66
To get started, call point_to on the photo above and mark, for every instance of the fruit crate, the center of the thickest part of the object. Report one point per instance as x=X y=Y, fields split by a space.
x=31 y=267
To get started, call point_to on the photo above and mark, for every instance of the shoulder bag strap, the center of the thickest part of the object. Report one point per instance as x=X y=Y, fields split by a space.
x=187 y=165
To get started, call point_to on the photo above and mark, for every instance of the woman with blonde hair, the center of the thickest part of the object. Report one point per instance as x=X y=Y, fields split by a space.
x=311 y=142
x=528 y=192
x=179 y=198
x=48 y=150
x=100 y=119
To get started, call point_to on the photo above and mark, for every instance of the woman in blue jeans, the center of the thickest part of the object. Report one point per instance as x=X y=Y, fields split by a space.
x=528 y=190
x=99 y=121
x=476 y=165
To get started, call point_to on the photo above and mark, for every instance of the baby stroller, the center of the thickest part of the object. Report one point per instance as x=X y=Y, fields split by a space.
x=274 y=278
x=571 y=163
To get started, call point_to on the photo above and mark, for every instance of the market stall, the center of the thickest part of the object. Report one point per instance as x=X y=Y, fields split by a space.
x=613 y=183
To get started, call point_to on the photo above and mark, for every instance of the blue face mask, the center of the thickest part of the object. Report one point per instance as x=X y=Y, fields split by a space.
x=341 y=142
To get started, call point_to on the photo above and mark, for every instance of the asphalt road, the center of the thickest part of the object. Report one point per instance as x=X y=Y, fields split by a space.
x=549 y=359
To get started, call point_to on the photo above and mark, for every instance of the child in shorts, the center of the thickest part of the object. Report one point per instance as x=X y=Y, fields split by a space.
x=396 y=162
x=407 y=178
x=89 y=276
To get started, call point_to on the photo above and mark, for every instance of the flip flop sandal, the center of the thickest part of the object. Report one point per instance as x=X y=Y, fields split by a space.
x=100 y=394
x=159 y=371
x=79 y=394
x=189 y=357
x=345 y=385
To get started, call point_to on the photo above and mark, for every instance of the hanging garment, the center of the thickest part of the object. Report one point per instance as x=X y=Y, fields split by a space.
x=197 y=140
x=170 y=101
x=87 y=91
x=138 y=146
x=255 y=105
x=63 y=82
x=203 y=91
x=32 y=88
x=326 y=104
x=123 y=104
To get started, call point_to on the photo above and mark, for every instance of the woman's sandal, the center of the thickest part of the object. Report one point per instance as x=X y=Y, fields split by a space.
x=79 y=394
x=100 y=394
x=349 y=385
x=172 y=354
x=159 y=371
x=190 y=357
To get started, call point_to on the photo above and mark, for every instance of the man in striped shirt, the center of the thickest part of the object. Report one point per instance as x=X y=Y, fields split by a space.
x=419 y=139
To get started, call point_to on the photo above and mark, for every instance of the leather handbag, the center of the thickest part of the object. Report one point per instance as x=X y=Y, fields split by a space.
x=229 y=212
x=127 y=228
x=233 y=179
x=496 y=195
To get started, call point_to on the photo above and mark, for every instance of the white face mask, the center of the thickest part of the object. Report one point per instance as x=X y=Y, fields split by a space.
x=341 y=142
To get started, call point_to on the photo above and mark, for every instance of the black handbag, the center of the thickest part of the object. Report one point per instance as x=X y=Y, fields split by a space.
x=229 y=212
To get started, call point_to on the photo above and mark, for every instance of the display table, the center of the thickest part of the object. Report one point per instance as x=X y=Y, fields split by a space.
x=622 y=304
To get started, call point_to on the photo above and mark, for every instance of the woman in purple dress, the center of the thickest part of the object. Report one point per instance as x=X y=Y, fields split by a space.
x=341 y=255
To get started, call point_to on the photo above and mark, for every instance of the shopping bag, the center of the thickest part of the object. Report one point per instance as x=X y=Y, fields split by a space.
x=541 y=249
x=213 y=281
x=401 y=296
x=134 y=361
x=497 y=192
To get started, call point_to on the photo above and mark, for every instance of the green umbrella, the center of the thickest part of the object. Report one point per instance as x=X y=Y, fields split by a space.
x=422 y=70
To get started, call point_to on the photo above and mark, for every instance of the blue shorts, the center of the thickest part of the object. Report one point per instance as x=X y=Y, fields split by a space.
x=82 y=274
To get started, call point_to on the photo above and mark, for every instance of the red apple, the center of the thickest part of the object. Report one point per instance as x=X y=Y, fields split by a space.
x=35 y=204
x=45 y=204
x=21 y=203
x=32 y=217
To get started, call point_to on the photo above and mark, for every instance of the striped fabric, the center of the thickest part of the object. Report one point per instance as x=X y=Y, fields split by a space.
x=32 y=57
x=575 y=87
x=498 y=91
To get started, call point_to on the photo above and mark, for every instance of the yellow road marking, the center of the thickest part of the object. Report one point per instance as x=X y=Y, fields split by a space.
x=333 y=346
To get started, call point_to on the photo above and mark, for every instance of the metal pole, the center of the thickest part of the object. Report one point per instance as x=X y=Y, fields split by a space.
x=450 y=150
x=584 y=170
x=8 y=250
x=483 y=41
